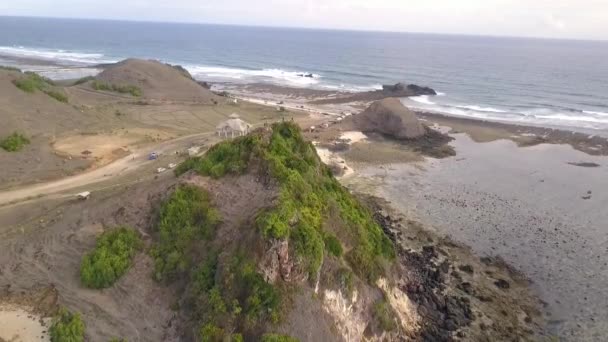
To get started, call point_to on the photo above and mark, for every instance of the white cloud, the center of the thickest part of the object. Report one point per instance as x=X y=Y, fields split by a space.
x=545 y=18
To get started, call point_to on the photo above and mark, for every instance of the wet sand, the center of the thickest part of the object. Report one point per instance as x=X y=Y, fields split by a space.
x=529 y=205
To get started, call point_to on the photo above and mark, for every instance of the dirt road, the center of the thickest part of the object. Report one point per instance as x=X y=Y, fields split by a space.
x=130 y=163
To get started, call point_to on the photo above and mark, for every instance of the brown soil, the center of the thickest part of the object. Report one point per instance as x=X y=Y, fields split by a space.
x=103 y=123
x=158 y=81
x=42 y=245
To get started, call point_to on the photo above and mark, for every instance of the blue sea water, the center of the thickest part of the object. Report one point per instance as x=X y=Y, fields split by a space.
x=541 y=81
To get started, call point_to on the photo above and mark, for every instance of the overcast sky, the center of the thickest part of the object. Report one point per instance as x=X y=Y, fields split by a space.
x=583 y=19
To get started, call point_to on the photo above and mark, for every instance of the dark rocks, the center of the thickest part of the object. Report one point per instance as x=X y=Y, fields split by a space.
x=411 y=89
x=585 y=164
x=502 y=284
x=466 y=269
x=397 y=90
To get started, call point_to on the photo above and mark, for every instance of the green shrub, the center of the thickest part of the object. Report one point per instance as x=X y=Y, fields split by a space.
x=30 y=82
x=333 y=245
x=110 y=259
x=123 y=89
x=309 y=244
x=203 y=277
x=278 y=338
x=307 y=188
x=186 y=217
x=344 y=277
x=67 y=327
x=211 y=333
x=57 y=95
x=384 y=316
x=223 y=158
x=14 y=142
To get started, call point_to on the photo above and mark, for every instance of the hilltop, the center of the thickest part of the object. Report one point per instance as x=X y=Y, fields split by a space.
x=156 y=81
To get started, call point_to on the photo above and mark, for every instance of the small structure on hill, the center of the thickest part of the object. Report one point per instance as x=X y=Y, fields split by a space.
x=233 y=127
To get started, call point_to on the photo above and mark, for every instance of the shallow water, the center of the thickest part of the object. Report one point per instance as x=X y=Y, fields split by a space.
x=526 y=205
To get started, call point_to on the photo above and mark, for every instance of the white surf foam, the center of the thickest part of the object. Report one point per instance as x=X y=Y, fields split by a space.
x=591 y=112
x=422 y=99
x=54 y=55
x=482 y=109
x=268 y=75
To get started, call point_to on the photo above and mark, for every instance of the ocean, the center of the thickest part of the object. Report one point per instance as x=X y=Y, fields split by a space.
x=537 y=81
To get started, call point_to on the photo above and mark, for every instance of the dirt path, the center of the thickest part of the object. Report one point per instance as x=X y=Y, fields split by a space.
x=119 y=167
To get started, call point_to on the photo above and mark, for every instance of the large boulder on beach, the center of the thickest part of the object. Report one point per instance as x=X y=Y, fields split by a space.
x=392 y=118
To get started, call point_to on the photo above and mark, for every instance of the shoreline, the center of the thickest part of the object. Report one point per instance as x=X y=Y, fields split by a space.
x=591 y=142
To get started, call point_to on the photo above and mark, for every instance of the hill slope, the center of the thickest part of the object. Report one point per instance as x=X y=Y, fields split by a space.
x=156 y=80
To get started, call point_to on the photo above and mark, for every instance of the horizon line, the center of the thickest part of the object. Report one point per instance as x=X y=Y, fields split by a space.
x=304 y=28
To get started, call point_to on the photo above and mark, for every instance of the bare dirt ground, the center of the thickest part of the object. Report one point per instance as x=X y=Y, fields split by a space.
x=42 y=245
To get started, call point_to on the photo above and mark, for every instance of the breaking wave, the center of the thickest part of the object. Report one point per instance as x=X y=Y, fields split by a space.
x=57 y=55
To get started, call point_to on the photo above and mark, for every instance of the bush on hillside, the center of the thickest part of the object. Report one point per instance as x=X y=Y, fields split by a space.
x=67 y=327
x=111 y=258
x=307 y=191
x=123 y=89
x=57 y=95
x=278 y=338
x=14 y=142
x=84 y=80
x=384 y=316
x=30 y=82
x=186 y=217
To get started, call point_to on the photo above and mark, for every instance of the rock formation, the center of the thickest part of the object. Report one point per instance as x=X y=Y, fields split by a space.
x=392 y=118
x=397 y=90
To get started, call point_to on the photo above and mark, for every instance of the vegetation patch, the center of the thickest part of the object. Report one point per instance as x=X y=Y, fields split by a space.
x=67 y=327
x=14 y=142
x=185 y=218
x=308 y=192
x=111 y=258
x=278 y=338
x=384 y=316
x=117 y=88
x=9 y=68
x=30 y=82
x=84 y=80
x=57 y=95
x=233 y=298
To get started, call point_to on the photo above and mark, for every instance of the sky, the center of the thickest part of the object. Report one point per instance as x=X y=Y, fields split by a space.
x=576 y=19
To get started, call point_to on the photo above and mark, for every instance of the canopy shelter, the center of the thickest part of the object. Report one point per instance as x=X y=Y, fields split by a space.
x=233 y=127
